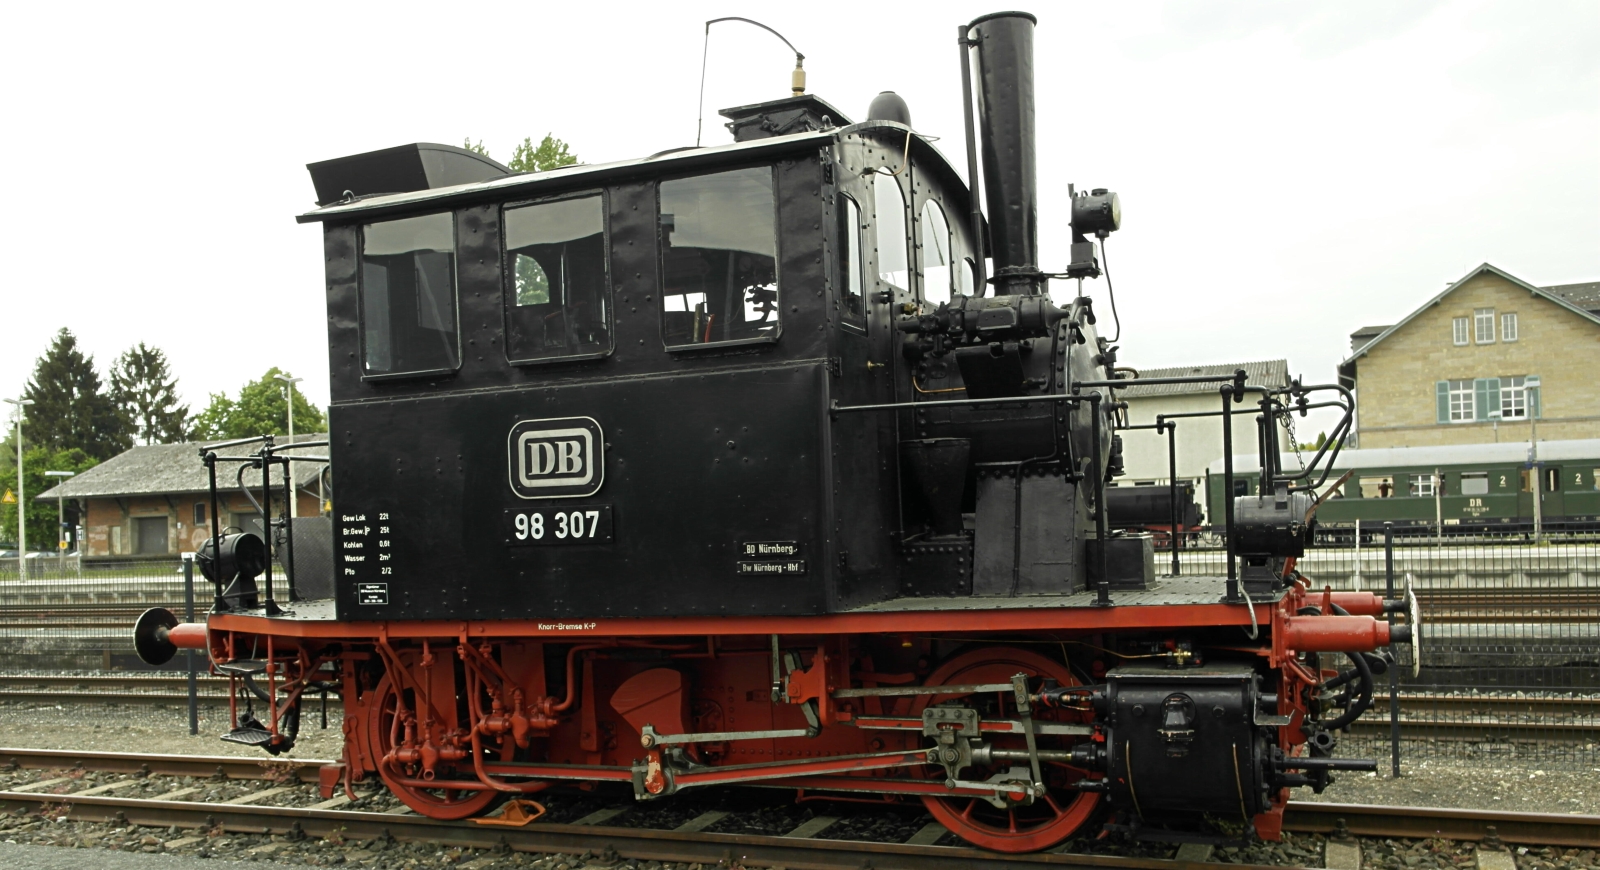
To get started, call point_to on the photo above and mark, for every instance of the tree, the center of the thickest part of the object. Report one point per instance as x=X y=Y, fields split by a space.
x=41 y=516
x=551 y=153
x=261 y=409
x=69 y=408
x=147 y=395
x=475 y=149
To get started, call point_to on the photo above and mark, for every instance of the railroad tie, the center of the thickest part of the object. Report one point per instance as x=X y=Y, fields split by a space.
x=928 y=835
x=1490 y=859
x=336 y=801
x=813 y=827
x=176 y=793
x=258 y=795
x=43 y=783
x=184 y=841
x=401 y=810
x=701 y=822
x=1201 y=852
x=100 y=789
x=599 y=816
x=1339 y=855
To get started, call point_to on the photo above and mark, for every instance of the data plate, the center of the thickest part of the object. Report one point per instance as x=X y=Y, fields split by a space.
x=587 y=524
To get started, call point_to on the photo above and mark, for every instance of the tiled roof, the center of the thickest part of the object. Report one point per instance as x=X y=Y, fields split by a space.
x=158 y=469
x=1585 y=295
x=1266 y=373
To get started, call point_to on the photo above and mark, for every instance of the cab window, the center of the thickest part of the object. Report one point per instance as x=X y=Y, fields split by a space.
x=933 y=245
x=889 y=215
x=556 y=298
x=851 y=262
x=408 y=296
x=719 y=259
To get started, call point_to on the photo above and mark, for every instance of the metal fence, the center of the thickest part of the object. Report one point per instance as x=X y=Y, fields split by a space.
x=1510 y=644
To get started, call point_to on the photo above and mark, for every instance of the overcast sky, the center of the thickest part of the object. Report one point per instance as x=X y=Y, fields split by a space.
x=1288 y=171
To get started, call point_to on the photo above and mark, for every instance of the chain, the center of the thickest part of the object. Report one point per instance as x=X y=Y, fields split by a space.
x=1288 y=427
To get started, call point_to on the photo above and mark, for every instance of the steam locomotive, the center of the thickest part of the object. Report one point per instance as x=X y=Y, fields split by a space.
x=735 y=465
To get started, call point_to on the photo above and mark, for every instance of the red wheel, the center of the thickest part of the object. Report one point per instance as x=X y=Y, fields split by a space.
x=1050 y=819
x=435 y=803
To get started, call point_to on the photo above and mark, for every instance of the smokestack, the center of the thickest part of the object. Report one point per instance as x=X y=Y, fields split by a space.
x=1004 y=43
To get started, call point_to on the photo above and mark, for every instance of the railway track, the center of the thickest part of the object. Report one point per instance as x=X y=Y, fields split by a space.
x=601 y=831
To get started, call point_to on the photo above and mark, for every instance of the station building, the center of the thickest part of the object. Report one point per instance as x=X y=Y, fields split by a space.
x=153 y=502
x=1486 y=361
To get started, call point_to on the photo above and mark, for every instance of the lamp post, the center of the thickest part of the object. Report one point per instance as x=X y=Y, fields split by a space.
x=294 y=501
x=61 y=518
x=22 y=525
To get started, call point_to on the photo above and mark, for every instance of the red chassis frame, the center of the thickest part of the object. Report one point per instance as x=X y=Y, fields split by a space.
x=441 y=721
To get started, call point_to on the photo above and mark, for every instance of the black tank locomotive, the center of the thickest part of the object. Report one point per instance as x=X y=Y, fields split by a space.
x=735 y=464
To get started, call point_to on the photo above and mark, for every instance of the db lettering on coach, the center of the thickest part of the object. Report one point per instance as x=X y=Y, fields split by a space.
x=559 y=458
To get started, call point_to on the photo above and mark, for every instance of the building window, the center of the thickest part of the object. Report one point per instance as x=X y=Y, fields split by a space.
x=1483 y=325
x=199 y=514
x=556 y=299
x=1508 y=326
x=719 y=250
x=1461 y=406
x=408 y=296
x=851 y=280
x=933 y=242
x=1422 y=485
x=1513 y=399
x=1460 y=324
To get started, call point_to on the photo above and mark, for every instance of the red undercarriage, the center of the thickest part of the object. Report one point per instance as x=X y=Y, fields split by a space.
x=450 y=715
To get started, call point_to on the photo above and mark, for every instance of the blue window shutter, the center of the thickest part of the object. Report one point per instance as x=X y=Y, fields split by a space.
x=1442 y=400
x=1481 y=397
x=1494 y=397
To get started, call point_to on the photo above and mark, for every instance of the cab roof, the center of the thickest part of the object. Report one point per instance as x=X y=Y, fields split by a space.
x=662 y=163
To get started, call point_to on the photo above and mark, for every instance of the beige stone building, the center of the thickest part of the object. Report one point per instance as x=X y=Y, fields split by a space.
x=1479 y=363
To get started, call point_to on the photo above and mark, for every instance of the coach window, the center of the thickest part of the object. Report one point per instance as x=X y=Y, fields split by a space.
x=719 y=250
x=555 y=297
x=408 y=296
x=933 y=245
x=1475 y=483
x=851 y=262
x=889 y=216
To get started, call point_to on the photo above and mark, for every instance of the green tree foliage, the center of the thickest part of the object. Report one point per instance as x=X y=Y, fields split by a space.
x=260 y=409
x=147 y=395
x=41 y=516
x=475 y=148
x=549 y=154
x=70 y=410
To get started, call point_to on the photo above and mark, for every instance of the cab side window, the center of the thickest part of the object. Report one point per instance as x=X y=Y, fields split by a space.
x=408 y=296
x=556 y=299
x=851 y=262
x=719 y=253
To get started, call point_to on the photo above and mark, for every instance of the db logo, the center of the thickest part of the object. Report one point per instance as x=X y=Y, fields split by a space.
x=556 y=458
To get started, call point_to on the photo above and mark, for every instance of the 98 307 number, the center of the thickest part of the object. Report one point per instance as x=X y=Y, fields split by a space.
x=586 y=524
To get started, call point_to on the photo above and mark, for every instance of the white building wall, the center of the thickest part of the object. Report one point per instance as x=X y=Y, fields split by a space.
x=1199 y=438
